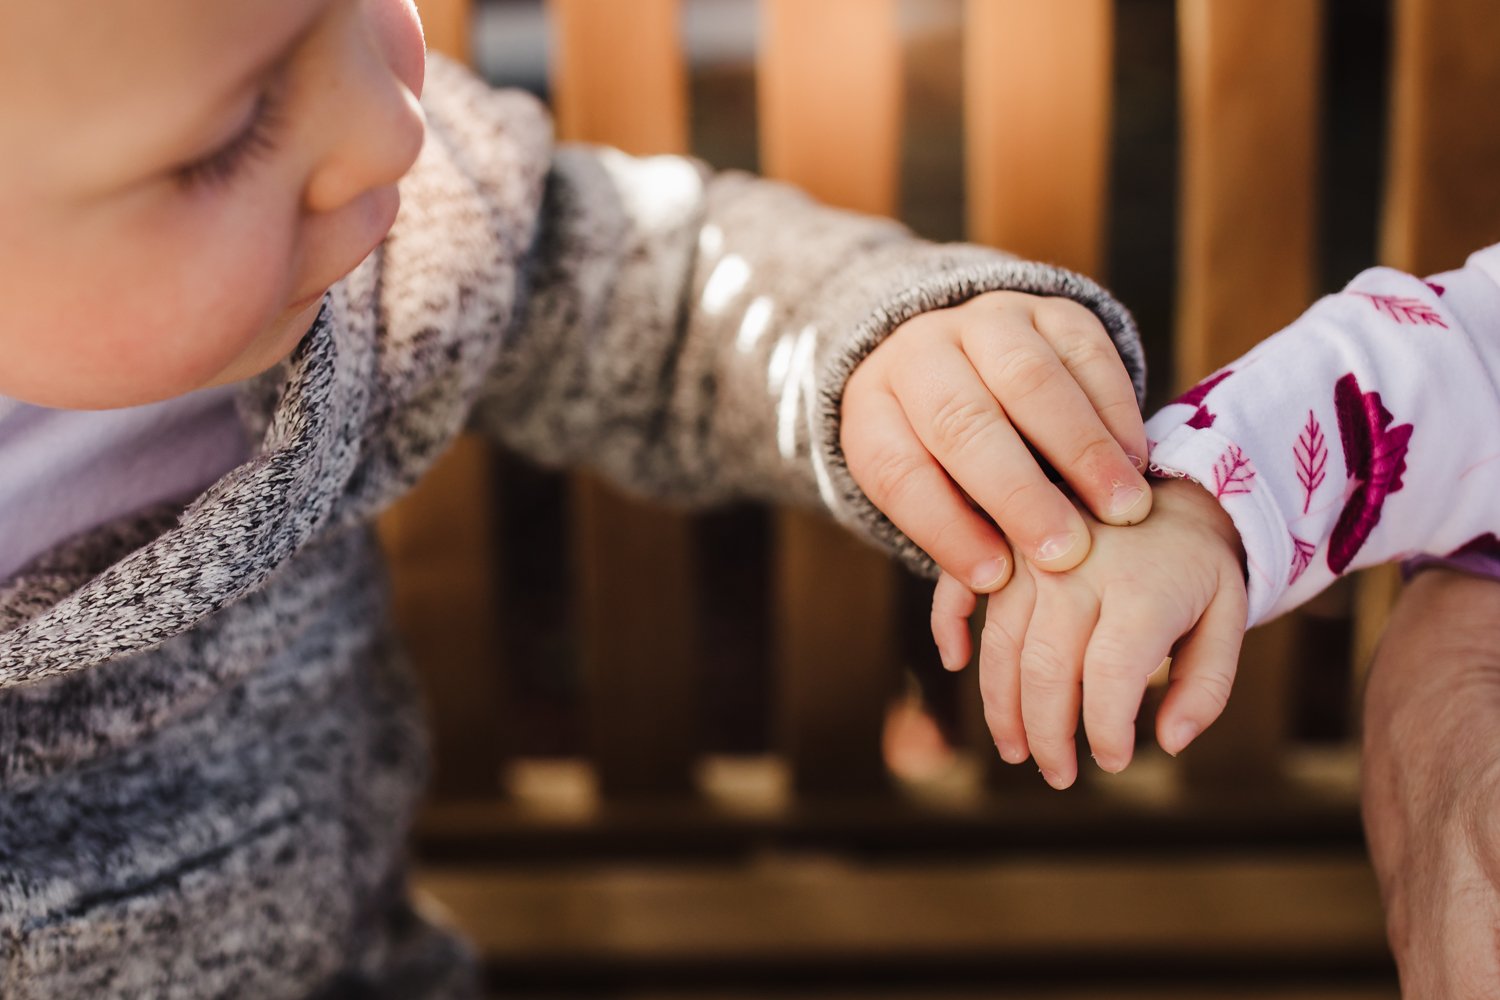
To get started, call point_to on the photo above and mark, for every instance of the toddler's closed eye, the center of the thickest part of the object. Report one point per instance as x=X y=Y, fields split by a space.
x=257 y=138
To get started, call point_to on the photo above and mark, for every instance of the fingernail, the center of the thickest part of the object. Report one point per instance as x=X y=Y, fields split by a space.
x=1138 y=462
x=988 y=574
x=1010 y=754
x=949 y=657
x=1183 y=734
x=1127 y=503
x=1054 y=779
x=1056 y=547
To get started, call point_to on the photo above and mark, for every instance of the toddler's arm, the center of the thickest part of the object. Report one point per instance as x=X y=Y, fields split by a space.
x=691 y=334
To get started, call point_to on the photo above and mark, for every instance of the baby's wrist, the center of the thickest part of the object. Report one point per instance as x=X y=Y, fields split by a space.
x=1186 y=498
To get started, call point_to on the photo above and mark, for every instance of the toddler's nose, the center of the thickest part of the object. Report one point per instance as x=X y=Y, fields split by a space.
x=378 y=132
x=399 y=29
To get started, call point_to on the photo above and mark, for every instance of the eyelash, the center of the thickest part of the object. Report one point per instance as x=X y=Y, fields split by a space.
x=257 y=139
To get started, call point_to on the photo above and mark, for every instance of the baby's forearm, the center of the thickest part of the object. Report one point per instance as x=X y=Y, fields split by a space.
x=1367 y=431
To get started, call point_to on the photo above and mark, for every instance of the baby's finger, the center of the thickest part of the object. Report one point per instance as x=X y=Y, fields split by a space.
x=1203 y=672
x=952 y=606
x=1087 y=351
x=958 y=419
x=1000 y=647
x=896 y=471
x=1133 y=637
x=1051 y=674
x=1052 y=411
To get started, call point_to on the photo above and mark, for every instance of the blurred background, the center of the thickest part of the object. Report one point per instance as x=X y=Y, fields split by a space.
x=716 y=756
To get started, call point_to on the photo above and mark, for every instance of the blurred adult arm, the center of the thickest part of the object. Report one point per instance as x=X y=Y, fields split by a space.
x=1431 y=785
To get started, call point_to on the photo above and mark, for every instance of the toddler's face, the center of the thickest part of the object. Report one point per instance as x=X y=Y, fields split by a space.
x=181 y=180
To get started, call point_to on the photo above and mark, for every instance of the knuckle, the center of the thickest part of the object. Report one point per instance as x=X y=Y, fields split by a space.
x=1216 y=688
x=1106 y=724
x=1109 y=661
x=1093 y=453
x=1124 y=409
x=1059 y=315
x=951 y=536
x=959 y=420
x=1025 y=372
x=1085 y=353
x=1022 y=500
x=997 y=640
x=890 y=473
x=1044 y=667
x=1046 y=744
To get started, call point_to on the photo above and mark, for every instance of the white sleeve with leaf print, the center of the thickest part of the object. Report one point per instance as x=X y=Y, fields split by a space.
x=1367 y=431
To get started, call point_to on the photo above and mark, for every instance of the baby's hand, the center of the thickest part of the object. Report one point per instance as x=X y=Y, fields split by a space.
x=936 y=422
x=1171 y=586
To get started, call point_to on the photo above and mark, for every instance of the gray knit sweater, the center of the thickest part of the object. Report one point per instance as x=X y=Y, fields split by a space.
x=210 y=748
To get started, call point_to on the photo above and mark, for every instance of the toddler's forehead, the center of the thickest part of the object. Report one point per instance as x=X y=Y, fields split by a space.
x=131 y=82
x=80 y=50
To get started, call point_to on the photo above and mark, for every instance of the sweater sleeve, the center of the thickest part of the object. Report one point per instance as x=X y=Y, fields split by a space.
x=1367 y=431
x=689 y=333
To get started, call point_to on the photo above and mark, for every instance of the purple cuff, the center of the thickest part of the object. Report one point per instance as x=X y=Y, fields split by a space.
x=1479 y=557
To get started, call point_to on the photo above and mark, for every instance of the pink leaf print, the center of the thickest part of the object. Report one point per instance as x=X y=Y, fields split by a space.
x=1201 y=417
x=1413 y=312
x=1486 y=545
x=1375 y=457
x=1441 y=291
x=1311 y=453
x=1302 y=553
x=1199 y=392
x=1233 y=473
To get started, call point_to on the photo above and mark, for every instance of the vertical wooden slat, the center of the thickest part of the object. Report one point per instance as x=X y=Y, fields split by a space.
x=1037 y=87
x=830 y=112
x=620 y=79
x=440 y=542
x=1442 y=199
x=1250 y=82
x=445 y=26
x=618 y=74
x=830 y=100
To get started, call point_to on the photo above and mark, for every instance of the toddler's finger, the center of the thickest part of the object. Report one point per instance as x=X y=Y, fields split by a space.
x=900 y=476
x=958 y=419
x=1133 y=637
x=1051 y=674
x=952 y=606
x=1000 y=647
x=1053 y=412
x=1202 y=673
x=1087 y=351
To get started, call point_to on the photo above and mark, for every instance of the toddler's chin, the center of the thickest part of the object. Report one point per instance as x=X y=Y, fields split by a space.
x=276 y=344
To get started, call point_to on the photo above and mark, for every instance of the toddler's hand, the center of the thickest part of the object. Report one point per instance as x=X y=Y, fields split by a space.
x=936 y=422
x=1172 y=586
